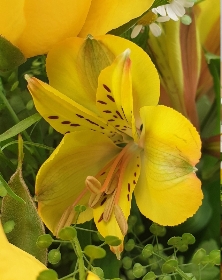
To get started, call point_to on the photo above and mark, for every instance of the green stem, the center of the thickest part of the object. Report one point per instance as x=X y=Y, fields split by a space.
x=14 y=116
x=77 y=248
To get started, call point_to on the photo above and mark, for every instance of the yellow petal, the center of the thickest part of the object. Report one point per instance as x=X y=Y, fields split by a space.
x=109 y=14
x=35 y=26
x=61 y=179
x=92 y=276
x=12 y=20
x=67 y=57
x=114 y=94
x=73 y=67
x=64 y=114
x=168 y=191
x=129 y=174
x=16 y=263
x=208 y=24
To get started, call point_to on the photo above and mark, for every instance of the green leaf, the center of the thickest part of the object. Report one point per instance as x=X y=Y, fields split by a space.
x=94 y=252
x=188 y=238
x=10 y=56
x=215 y=257
x=19 y=127
x=169 y=266
x=10 y=191
x=112 y=240
x=199 y=256
x=28 y=225
x=147 y=251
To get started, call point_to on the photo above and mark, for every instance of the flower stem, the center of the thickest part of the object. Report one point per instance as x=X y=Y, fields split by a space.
x=78 y=250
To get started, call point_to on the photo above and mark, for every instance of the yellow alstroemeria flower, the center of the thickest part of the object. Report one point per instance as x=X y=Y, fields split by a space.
x=16 y=263
x=119 y=141
x=35 y=26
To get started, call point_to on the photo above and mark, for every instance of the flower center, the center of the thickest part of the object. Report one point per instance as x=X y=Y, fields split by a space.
x=112 y=177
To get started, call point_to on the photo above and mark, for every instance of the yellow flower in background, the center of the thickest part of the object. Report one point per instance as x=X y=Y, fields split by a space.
x=117 y=139
x=35 y=26
x=16 y=263
x=208 y=27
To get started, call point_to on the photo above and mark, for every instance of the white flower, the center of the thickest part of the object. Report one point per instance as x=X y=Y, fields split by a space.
x=175 y=9
x=150 y=20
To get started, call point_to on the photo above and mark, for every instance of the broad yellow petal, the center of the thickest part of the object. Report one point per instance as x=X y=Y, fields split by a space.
x=109 y=14
x=73 y=67
x=168 y=191
x=60 y=183
x=16 y=263
x=64 y=114
x=12 y=20
x=48 y=22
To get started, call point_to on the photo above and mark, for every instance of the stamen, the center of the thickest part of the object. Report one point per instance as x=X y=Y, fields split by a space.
x=109 y=207
x=95 y=199
x=93 y=184
x=121 y=220
x=114 y=165
x=113 y=183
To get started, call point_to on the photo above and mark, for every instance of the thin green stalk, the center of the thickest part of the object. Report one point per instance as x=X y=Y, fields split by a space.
x=77 y=247
x=15 y=117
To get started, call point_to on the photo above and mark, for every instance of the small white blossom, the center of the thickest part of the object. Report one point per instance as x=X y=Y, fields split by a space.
x=150 y=19
x=175 y=9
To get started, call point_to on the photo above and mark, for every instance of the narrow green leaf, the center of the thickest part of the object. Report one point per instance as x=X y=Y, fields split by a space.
x=19 y=127
x=10 y=191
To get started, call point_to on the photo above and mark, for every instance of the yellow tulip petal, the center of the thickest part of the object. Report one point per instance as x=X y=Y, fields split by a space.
x=12 y=21
x=61 y=179
x=129 y=175
x=48 y=22
x=168 y=191
x=64 y=114
x=109 y=14
x=16 y=263
x=67 y=57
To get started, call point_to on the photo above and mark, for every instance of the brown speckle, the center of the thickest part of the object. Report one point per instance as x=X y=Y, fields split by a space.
x=118 y=113
x=110 y=98
x=107 y=111
x=101 y=218
x=128 y=198
x=128 y=187
x=53 y=117
x=106 y=88
x=101 y=102
x=79 y=116
x=91 y=122
x=66 y=122
x=103 y=201
x=74 y=124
